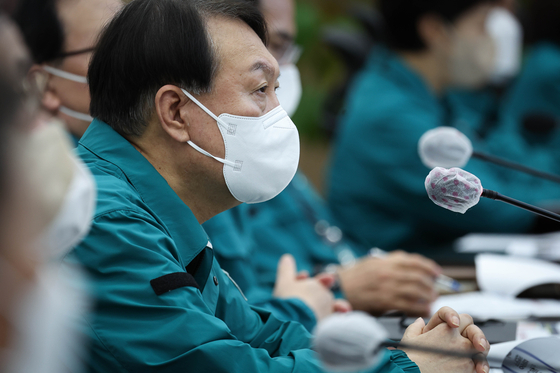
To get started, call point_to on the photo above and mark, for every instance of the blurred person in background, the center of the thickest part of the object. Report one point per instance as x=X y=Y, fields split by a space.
x=61 y=35
x=532 y=105
x=40 y=178
x=250 y=241
x=376 y=178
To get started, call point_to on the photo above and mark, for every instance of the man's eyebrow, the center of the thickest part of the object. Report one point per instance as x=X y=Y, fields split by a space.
x=265 y=67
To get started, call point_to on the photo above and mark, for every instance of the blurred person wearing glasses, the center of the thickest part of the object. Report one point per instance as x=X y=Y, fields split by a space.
x=61 y=35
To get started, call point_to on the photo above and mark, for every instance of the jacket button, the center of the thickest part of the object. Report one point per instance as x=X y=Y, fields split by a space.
x=216 y=281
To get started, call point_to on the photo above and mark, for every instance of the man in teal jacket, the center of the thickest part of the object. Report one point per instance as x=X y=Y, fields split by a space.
x=376 y=185
x=159 y=157
x=250 y=241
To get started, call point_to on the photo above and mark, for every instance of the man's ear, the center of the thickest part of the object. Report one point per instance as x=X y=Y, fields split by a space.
x=170 y=102
x=41 y=80
x=433 y=31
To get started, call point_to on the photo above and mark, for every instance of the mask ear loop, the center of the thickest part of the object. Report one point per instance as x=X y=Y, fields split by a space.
x=221 y=160
x=65 y=75
x=220 y=122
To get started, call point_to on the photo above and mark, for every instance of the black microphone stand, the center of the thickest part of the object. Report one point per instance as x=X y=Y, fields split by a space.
x=486 y=193
x=516 y=166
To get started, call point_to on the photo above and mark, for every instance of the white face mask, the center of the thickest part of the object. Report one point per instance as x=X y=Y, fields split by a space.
x=64 y=189
x=289 y=93
x=73 y=221
x=472 y=60
x=75 y=78
x=262 y=153
x=507 y=33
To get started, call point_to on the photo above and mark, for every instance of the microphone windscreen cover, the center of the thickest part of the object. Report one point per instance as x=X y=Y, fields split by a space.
x=444 y=147
x=349 y=342
x=453 y=189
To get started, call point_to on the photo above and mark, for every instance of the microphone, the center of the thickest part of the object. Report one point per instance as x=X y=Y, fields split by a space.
x=348 y=342
x=448 y=147
x=458 y=191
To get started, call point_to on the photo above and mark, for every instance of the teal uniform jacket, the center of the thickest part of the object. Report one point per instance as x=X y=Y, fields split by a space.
x=235 y=250
x=376 y=178
x=162 y=302
x=250 y=239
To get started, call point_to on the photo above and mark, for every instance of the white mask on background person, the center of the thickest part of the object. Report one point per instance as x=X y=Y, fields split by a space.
x=262 y=153
x=472 y=60
x=507 y=33
x=43 y=320
x=74 y=218
x=290 y=91
x=75 y=78
x=63 y=188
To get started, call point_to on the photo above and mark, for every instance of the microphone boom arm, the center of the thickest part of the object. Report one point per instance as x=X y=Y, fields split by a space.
x=490 y=194
x=516 y=166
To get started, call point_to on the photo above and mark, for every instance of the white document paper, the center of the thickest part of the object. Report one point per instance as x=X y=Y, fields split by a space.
x=485 y=306
x=510 y=276
x=545 y=246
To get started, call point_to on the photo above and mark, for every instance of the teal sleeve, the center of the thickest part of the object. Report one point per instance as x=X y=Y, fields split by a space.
x=400 y=359
x=289 y=309
x=394 y=361
x=134 y=330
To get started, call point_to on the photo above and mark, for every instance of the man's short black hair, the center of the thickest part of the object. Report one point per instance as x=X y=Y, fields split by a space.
x=151 y=43
x=402 y=18
x=41 y=28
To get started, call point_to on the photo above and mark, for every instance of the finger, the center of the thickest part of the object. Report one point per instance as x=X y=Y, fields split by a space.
x=414 y=292
x=477 y=338
x=415 y=329
x=286 y=271
x=342 y=306
x=412 y=276
x=481 y=364
x=303 y=275
x=326 y=279
x=466 y=321
x=445 y=315
x=420 y=263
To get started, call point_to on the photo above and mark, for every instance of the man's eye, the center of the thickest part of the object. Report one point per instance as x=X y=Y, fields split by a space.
x=263 y=89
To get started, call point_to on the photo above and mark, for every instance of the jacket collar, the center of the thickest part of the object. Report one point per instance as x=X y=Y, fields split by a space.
x=393 y=65
x=190 y=238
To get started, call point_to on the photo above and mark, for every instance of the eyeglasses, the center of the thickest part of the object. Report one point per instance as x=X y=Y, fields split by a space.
x=75 y=53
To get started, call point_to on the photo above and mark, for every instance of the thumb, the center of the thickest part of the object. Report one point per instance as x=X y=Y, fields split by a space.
x=415 y=329
x=287 y=270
